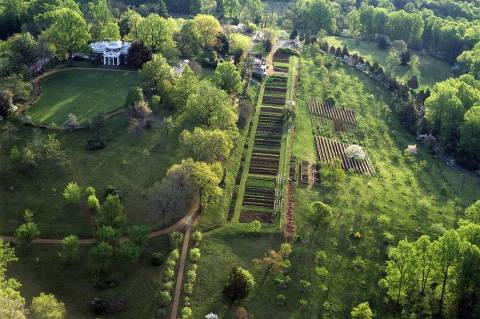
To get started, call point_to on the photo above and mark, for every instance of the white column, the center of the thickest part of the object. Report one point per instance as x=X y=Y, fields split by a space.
x=104 y=62
x=118 y=60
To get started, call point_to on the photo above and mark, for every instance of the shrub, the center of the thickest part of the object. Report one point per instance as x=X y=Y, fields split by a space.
x=176 y=239
x=281 y=300
x=174 y=255
x=384 y=221
x=320 y=257
x=197 y=236
x=255 y=226
x=304 y=285
x=191 y=276
x=164 y=298
x=188 y=289
x=72 y=193
x=169 y=274
x=359 y=264
x=134 y=95
x=156 y=258
x=89 y=191
x=170 y=264
x=388 y=238
x=93 y=203
x=168 y=286
x=282 y=281
x=187 y=313
x=195 y=255
x=303 y=303
x=285 y=250
x=321 y=272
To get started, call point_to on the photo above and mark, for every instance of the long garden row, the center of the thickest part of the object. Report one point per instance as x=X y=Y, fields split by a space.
x=329 y=111
x=260 y=190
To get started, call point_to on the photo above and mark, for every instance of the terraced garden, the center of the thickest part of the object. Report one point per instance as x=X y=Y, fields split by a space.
x=259 y=189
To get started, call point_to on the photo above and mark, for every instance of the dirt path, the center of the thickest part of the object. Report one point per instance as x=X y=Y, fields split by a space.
x=181 y=270
x=185 y=221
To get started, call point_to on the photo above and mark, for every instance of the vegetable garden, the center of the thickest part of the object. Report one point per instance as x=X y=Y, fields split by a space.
x=328 y=150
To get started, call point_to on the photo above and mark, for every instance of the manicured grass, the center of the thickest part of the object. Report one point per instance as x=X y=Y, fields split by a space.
x=130 y=164
x=432 y=70
x=84 y=93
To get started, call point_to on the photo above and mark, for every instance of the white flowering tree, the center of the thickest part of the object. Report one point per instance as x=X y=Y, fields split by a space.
x=356 y=152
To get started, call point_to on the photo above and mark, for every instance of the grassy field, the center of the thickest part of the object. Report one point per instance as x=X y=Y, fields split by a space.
x=432 y=70
x=407 y=197
x=40 y=270
x=130 y=164
x=84 y=93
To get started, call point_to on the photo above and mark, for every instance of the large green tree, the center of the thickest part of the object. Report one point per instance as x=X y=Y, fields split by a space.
x=206 y=145
x=470 y=133
x=68 y=33
x=208 y=29
x=156 y=32
x=227 y=78
x=46 y=306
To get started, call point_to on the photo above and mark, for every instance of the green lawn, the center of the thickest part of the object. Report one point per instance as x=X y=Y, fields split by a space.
x=432 y=70
x=415 y=193
x=84 y=93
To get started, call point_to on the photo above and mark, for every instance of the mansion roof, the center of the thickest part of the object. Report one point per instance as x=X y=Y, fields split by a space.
x=110 y=46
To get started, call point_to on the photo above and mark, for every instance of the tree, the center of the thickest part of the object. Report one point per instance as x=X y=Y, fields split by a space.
x=208 y=29
x=319 y=214
x=129 y=23
x=111 y=212
x=28 y=231
x=101 y=257
x=138 y=54
x=46 y=306
x=206 y=178
x=393 y=60
x=400 y=272
x=425 y=253
x=413 y=82
x=472 y=213
x=415 y=66
x=72 y=193
x=68 y=33
x=174 y=195
x=354 y=25
x=362 y=311
x=470 y=133
x=206 y=145
x=101 y=20
x=185 y=86
x=238 y=286
x=70 y=249
x=157 y=77
x=188 y=40
x=12 y=305
x=138 y=234
x=231 y=8
x=319 y=15
x=227 y=78
x=212 y=108
x=157 y=34
x=272 y=262
x=447 y=251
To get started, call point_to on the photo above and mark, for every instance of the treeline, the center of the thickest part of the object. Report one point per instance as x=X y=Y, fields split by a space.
x=437 y=278
x=443 y=38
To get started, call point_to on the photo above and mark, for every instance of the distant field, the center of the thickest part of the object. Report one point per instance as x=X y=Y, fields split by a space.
x=432 y=70
x=84 y=93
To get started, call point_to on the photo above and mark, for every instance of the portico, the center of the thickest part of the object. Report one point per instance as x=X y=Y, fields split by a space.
x=112 y=53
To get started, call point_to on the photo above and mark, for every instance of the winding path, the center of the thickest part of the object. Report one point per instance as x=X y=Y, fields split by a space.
x=184 y=222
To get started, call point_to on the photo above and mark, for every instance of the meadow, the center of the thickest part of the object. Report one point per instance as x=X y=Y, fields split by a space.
x=431 y=70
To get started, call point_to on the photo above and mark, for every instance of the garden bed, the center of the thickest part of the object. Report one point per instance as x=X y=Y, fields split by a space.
x=332 y=112
x=329 y=150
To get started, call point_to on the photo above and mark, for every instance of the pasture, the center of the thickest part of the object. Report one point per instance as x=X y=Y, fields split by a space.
x=431 y=70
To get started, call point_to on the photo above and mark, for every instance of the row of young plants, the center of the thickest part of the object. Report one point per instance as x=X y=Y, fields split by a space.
x=191 y=275
x=167 y=285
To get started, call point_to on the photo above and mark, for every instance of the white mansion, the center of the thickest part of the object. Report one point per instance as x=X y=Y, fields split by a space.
x=110 y=52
